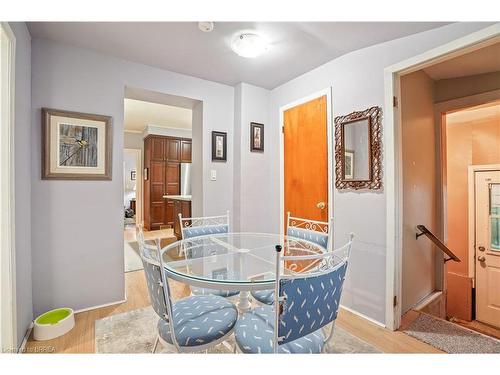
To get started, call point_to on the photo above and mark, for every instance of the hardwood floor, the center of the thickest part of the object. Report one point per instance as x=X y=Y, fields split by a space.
x=82 y=339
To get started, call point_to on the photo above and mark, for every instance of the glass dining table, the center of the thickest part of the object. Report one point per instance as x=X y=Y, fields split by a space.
x=235 y=261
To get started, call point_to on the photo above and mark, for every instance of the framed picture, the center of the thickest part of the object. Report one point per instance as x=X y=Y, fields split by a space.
x=349 y=164
x=219 y=146
x=133 y=175
x=76 y=146
x=256 y=137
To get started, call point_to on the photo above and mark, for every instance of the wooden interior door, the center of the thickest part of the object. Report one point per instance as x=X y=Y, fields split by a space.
x=487 y=256
x=306 y=160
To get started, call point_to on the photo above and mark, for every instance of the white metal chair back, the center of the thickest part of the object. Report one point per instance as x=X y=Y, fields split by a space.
x=203 y=225
x=306 y=302
x=318 y=232
x=156 y=279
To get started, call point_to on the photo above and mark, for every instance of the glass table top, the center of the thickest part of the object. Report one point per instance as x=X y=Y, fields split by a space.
x=237 y=258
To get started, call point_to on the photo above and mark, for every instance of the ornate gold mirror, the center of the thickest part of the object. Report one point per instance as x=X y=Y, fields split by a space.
x=358 y=150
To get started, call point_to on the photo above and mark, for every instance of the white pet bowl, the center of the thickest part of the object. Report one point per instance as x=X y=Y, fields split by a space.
x=53 y=323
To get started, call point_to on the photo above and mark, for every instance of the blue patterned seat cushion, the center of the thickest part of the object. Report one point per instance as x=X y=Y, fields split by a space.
x=199 y=320
x=192 y=232
x=254 y=333
x=215 y=292
x=318 y=238
x=264 y=296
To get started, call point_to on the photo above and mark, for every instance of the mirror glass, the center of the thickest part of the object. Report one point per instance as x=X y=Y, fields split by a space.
x=356 y=147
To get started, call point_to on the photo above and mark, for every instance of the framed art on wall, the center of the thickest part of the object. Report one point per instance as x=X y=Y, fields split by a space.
x=256 y=137
x=76 y=146
x=219 y=146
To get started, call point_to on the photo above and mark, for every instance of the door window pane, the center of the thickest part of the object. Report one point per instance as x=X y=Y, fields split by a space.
x=495 y=216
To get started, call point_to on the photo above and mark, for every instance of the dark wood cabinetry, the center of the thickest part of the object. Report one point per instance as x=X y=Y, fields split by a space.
x=162 y=158
x=180 y=207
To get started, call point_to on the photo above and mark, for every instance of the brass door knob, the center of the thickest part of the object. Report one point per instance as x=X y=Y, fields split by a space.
x=481 y=258
x=321 y=205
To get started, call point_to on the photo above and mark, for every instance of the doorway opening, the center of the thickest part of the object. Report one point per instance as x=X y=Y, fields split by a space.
x=450 y=126
x=162 y=144
x=8 y=325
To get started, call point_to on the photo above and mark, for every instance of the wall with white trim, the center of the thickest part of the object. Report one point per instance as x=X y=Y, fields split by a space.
x=77 y=225
x=357 y=82
x=22 y=160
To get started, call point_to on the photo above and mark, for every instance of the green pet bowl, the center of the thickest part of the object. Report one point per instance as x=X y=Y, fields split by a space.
x=53 y=323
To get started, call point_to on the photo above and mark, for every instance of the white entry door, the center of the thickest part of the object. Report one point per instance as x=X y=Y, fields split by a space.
x=487 y=256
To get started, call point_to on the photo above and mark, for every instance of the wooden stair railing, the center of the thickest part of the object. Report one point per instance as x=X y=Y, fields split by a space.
x=424 y=231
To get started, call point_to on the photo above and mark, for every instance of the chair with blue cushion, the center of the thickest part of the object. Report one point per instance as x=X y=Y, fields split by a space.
x=191 y=324
x=307 y=302
x=192 y=227
x=317 y=232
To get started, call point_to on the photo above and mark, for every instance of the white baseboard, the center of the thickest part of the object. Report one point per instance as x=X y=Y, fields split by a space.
x=101 y=306
x=22 y=348
x=363 y=316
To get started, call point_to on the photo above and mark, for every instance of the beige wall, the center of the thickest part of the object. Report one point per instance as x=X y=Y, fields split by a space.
x=447 y=89
x=419 y=186
x=468 y=143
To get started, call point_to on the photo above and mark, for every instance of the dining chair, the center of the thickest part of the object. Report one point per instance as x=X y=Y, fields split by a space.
x=317 y=232
x=192 y=227
x=307 y=302
x=191 y=324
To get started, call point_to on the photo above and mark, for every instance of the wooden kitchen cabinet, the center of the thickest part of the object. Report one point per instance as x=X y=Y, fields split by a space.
x=162 y=158
x=180 y=207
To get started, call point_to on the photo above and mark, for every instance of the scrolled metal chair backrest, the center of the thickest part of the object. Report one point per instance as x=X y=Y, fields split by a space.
x=318 y=232
x=201 y=226
x=308 y=302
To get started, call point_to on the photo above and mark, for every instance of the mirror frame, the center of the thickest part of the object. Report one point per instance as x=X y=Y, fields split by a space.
x=373 y=115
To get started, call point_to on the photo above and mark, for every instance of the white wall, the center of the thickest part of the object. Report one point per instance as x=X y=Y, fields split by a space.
x=77 y=225
x=22 y=160
x=357 y=83
x=419 y=186
x=252 y=171
x=169 y=132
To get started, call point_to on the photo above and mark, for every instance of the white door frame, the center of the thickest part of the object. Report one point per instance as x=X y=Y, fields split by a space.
x=8 y=301
x=472 y=214
x=393 y=156
x=138 y=183
x=329 y=125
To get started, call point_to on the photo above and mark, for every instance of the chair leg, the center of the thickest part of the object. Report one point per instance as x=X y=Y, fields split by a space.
x=155 y=345
x=327 y=340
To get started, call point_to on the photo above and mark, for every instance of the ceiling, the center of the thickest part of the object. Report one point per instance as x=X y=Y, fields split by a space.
x=139 y=114
x=295 y=47
x=484 y=60
x=483 y=112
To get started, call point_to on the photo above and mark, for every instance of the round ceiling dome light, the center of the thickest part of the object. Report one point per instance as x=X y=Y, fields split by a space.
x=249 y=45
x=206 y=27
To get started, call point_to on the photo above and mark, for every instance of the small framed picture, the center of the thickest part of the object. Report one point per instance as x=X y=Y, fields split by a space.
x=76 y=146
x=219 y=146
x=349 y=164
x=256 y=137
x=132 y=175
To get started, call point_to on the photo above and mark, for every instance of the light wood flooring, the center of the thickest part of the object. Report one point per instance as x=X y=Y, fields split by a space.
x=82 y=340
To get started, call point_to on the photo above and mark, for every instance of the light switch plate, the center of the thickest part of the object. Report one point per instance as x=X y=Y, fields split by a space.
x=213 y=175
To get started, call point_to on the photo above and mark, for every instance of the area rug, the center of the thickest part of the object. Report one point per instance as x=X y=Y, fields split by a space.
x=135 y=332
x=132 y=258
x=449 y=337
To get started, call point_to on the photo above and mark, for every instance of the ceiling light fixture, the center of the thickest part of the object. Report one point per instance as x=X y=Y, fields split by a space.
x=249 y=45
x=206 y=27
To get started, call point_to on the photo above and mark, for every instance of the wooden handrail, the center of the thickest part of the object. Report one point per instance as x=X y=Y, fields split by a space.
x=437 y=242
